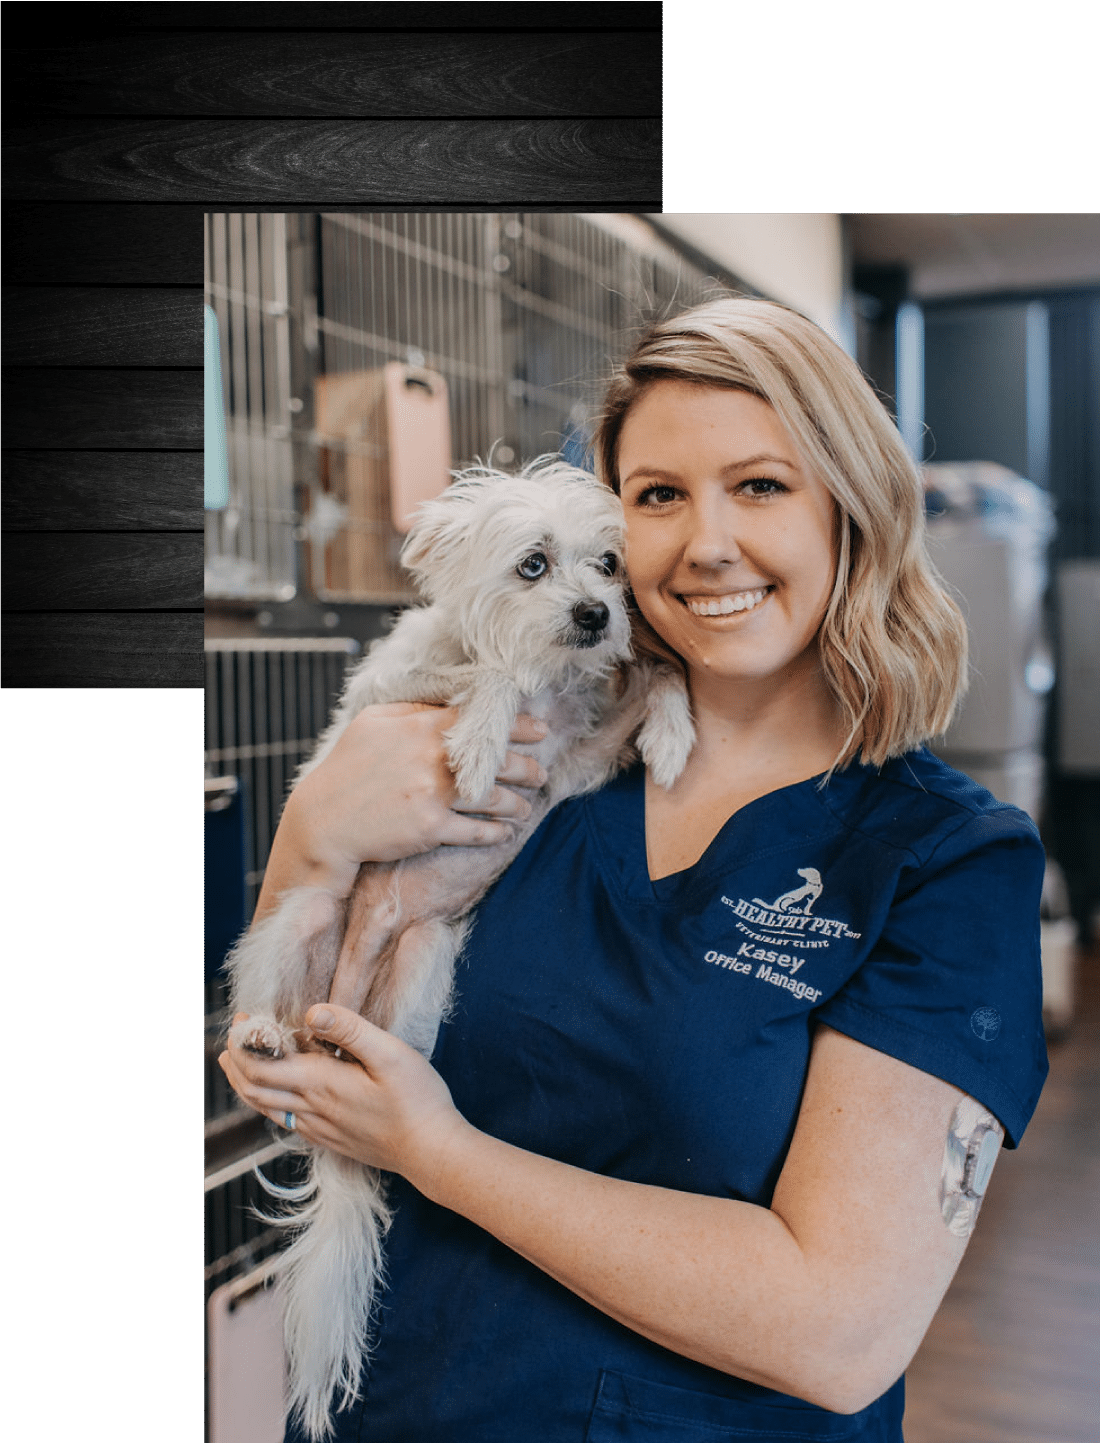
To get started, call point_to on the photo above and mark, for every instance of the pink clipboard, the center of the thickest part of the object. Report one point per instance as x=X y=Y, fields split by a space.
x=246 y=1362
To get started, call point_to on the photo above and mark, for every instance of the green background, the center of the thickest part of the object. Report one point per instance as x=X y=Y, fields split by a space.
x=800 y=107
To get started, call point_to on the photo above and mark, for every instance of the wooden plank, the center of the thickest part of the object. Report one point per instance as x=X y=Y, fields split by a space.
x=570 y=73
x=103 y=244
x=82 y=649
x=250 y=16
x=94 y=326
x=102 y=571
x=574 y=164
x=103 y=491
x=106 y=410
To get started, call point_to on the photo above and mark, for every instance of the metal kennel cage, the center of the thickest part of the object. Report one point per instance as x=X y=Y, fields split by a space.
x=267 y=700
x=518 y=315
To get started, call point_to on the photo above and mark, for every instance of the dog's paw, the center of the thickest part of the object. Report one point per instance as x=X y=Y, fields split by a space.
x=307 y=1041
x=474 y=764
x=263 y=1036
x=668 y=733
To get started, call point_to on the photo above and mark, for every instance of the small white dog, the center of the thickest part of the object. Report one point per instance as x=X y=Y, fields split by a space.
x=526 y=613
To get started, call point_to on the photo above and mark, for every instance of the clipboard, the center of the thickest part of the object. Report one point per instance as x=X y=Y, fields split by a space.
x=246 y=1363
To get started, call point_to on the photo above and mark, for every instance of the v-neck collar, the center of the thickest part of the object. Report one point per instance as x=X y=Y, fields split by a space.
x=767 y=824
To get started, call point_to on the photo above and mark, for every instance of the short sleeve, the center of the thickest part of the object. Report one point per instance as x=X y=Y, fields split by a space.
x=953 y=985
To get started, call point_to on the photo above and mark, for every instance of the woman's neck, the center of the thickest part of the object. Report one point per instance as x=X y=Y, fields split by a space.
x=751 y=739
x=790 y=724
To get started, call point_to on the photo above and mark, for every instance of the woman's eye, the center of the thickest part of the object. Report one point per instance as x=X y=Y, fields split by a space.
x=609 y=564
x=657 y=496
x=762 y=486
x=533 y=566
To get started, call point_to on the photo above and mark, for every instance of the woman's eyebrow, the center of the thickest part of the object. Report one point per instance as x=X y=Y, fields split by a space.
x=655 y=473
x=648 y=473
x=763 y=459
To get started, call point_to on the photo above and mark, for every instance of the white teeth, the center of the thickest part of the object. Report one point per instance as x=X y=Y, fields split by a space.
x=724 y=605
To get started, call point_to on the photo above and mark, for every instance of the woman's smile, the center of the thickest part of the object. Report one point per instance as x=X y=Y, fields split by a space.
x=727 y=604
x=729 y=537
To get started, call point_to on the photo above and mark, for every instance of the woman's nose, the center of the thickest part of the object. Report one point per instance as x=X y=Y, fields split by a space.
x=712 y=539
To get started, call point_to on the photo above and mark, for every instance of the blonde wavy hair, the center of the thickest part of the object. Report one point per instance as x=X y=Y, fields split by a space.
x=892 y=643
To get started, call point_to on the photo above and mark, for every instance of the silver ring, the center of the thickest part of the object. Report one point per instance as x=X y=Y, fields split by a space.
x=289 y=1122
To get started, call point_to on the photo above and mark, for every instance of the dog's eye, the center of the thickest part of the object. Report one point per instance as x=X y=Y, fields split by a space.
x=533 y=566
x=609 y=564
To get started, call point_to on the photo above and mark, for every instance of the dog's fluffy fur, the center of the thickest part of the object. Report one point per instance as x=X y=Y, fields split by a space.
x=526 y=612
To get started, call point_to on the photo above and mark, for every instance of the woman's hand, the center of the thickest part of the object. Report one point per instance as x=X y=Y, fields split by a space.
x=385 y=792
x=389 y=1108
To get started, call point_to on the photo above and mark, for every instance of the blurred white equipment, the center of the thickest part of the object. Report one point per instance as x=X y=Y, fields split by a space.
x=988 y=531
x=1059 y=943
x=1079 y=667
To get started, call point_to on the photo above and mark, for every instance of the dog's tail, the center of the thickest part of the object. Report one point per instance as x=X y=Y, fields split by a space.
x=329 y=1278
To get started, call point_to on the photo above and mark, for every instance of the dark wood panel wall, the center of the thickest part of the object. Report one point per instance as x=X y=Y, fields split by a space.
x=123 y=124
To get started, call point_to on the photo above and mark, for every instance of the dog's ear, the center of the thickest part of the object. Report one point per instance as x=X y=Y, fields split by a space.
x=440 y=531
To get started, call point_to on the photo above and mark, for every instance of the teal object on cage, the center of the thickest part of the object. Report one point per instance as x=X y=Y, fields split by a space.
x=215 y=470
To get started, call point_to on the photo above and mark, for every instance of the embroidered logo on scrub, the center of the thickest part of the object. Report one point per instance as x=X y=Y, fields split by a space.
x=790 y=919
x=985 y=1023
x=807 y=894
x=790 y=922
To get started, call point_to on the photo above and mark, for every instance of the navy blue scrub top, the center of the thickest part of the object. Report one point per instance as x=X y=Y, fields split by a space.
x=661 y=1032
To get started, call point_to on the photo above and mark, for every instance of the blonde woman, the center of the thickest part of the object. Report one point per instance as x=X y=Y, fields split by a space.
x=702 y=1145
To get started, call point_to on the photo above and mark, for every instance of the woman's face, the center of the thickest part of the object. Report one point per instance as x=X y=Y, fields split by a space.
x=729 y=538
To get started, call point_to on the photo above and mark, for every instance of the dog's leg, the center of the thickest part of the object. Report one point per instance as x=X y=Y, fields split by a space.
x=374 y=915
x=412 y=989
x=668 y=732
x=478 y=740
x=402 y=681
x=282 y=966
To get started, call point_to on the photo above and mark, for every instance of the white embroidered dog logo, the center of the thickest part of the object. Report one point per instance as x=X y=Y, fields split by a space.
x=810 y=892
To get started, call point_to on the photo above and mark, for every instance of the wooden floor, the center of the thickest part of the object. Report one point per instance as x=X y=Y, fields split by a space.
x=1014 y=1354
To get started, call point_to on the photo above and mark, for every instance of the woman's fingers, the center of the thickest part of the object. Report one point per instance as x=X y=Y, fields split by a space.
x=522 y=771
x=298 y=1084
x=500 y=802
x=353 y=1034
x=518 y=770
x=275 y=1102
x=460 y=831
x=528 y=729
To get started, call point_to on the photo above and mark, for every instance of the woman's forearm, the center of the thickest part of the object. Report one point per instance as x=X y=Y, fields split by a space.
x=294 y=862
x=723 y=1282
x=826 y=1295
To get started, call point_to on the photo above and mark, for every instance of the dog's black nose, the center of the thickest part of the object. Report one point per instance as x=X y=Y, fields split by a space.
x=591 y=615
